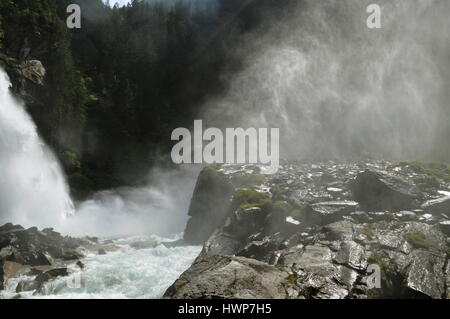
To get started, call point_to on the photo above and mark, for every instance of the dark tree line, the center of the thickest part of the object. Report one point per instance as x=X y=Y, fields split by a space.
x=117 y=87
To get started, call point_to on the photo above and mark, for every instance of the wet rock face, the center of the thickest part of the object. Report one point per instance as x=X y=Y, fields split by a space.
x=328 y=212
x=36 y=253
x=376 y=190
x=231 y=277
x=36 y=248
x=27 y=77
x=437 y=206
x=209 y=206
x=327 y=228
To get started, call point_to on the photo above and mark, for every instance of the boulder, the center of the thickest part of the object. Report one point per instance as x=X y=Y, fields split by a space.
x=406 y=216
x=329 y=212
x=52 y=274
x=9 y=227
x=221 y=243
x=37 y=283
x=426 y=274
x=71 y=254
x=377 y=190
x=445 y=227
x=353 y=255
x=80 y=264
x=228 y=277
x=209 y=206
x=316 y=275
x=245 y=222
x=33 y=70
x=437 y=206
x=13 y=269
x=263 y=249
x=27 y=285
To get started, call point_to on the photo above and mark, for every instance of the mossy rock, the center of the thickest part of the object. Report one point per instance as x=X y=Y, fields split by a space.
x=437 y=170
x=417 y=240
x=281 y=207
x=249 y=196
x=368 y=233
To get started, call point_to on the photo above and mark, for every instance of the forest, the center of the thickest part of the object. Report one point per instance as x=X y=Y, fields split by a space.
x=116 y=88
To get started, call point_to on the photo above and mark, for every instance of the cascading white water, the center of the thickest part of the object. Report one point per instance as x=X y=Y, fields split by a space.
x=33 y=189
x=34 y=192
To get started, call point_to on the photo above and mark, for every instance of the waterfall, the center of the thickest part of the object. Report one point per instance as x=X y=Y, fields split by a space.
x=33 y=189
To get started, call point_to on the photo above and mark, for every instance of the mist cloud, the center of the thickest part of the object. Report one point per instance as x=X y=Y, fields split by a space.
x=339 y=90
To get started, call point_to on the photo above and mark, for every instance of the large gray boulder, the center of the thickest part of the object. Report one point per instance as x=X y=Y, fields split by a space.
x=329 y=212
x=377 y=190
x=209 y=205
x=438 y=206
x=228 y=277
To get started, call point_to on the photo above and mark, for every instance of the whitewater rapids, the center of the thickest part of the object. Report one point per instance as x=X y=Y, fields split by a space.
x=128 y=273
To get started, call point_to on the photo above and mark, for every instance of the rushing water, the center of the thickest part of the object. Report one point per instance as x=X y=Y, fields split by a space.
x=33 y=189
x=126 y=273
x=34 y=192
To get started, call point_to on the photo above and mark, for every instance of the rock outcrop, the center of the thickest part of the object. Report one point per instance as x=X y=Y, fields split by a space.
x=231 y=277
x=27 y=76
x=209 y=205
x=323 y=231
x=380 y=190
x=37 y=254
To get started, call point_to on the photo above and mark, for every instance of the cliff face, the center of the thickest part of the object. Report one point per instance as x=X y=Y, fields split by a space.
x=319 y=231
x=27 y=77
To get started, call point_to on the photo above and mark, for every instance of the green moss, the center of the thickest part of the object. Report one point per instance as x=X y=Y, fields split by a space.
x=281 y=207
x=292 y=278
x=249 y=196
x=248 y=180
x=369 y=233
x=437 y=170
x=212 y=169
x=417 y=240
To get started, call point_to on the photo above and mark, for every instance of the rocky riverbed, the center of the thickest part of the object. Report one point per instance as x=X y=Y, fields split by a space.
x=43 y=264
x=310 y=231
x=318 y=230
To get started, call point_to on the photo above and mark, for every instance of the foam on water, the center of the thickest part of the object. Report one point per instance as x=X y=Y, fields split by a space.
x=127 y=273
